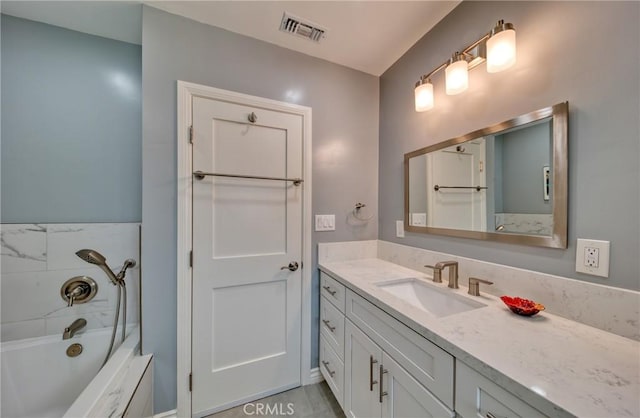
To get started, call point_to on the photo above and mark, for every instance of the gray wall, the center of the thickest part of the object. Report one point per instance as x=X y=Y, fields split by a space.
x=71 y=126
x=562 y=55
x=524 y=153
x=345 y=153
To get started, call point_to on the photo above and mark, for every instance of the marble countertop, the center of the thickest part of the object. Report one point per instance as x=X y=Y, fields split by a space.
x=558 y=366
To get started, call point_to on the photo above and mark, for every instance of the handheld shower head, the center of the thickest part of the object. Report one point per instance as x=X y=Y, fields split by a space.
x=91 y=256
x=94 y=257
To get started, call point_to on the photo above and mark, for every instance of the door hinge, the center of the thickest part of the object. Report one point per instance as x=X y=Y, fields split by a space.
x=191 y=258
x=190 y=382
x=191 y=134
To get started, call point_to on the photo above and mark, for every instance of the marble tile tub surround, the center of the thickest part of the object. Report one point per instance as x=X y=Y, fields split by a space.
x=607 y=308
x=36 y=259
x=526 y=223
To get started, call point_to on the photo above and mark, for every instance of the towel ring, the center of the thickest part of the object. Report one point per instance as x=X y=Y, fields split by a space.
x=357 y=213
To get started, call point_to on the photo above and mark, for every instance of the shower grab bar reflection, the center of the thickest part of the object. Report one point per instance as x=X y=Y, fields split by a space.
x=478 y=188
x=201 y=174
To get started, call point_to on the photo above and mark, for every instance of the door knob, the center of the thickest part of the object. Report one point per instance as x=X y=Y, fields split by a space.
x=293 y=266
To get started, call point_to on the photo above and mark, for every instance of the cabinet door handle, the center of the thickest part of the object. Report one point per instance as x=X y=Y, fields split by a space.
x=328 y=289
x=326 y=323
x=326 y=366
x=371 y=381
x=382 y=372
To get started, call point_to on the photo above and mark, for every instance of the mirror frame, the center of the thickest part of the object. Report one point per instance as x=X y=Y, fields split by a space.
x=560 y=157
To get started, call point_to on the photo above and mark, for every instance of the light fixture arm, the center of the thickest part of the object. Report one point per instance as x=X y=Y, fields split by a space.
x=468 y=55
x=470 y=48
x=427 y=76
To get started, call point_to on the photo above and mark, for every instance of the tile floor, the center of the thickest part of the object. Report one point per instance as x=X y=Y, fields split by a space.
x=313 y=401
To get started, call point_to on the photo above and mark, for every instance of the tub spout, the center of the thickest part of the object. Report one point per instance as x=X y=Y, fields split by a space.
x=75 y=326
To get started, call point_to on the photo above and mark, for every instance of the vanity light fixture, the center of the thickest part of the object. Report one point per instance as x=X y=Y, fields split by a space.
x=497 y=47
x=456 y=75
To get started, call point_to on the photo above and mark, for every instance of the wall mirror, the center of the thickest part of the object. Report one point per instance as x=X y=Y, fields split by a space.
x=506 y=182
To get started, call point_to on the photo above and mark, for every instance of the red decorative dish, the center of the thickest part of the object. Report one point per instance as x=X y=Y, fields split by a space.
x=524 y=307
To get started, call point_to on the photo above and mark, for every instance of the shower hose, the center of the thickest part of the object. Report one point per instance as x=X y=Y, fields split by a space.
x=122 y=292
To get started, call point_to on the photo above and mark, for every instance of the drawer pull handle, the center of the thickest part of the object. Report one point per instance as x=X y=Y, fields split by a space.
x=490 y=415
x=326 y=323
x=328 y=289
x=382 y=372
x=326 y=366
x=371 y=381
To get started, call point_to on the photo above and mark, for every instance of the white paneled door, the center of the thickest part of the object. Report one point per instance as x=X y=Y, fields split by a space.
x=457 y=208
x=246 y=233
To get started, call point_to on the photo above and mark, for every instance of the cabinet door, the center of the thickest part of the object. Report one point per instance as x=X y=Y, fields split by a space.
x=405 y=397
x=361 y=368
x=477 y=396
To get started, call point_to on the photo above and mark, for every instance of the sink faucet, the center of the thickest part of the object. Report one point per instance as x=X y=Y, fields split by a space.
x=474 y=285
x=453 y=272
x=75 y=326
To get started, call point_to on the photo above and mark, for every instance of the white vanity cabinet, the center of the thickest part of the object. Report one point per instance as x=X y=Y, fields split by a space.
x=378 y=367
x=362 y=360
x=332 y=323
x=430 y=365
x=477 y=396
x=376 y=386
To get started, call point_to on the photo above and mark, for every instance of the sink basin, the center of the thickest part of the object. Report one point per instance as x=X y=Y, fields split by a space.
x=431 y=299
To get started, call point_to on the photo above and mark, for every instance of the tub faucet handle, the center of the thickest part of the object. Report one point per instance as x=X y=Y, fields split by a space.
x=77 y=291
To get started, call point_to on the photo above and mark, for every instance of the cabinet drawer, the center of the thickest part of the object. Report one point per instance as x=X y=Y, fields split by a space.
x=477 y=396
x=332 y=290
x=332 y=368
x=332 y=326
x=427 y=363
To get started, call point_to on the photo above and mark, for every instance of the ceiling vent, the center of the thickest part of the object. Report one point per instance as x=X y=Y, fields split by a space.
x=302 y=28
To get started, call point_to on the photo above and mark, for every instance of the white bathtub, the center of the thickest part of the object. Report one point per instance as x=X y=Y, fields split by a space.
x=40 y=380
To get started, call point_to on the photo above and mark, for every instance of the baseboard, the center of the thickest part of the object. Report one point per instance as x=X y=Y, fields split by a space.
x=315 y=376
x=167 y=414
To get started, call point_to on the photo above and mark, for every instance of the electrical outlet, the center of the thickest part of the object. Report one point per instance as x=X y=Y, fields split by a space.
x=400 y=229
x=592 y=257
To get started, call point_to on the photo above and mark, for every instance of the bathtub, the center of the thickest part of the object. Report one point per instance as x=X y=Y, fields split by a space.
x=40 y=380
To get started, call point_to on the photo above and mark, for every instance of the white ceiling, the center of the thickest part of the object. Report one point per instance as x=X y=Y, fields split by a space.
x=365 y=35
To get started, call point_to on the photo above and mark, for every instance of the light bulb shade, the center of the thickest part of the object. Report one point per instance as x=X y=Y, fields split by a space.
x=424 y=96
x=457 y=77
x=501 y=50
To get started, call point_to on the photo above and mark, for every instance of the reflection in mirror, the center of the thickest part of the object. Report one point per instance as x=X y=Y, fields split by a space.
x=522 y=178
x=446 y=187
x=506 y=182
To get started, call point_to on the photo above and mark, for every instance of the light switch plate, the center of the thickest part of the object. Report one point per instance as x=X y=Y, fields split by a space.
x=592 y=257
x=400 y=229
x=325 y=222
